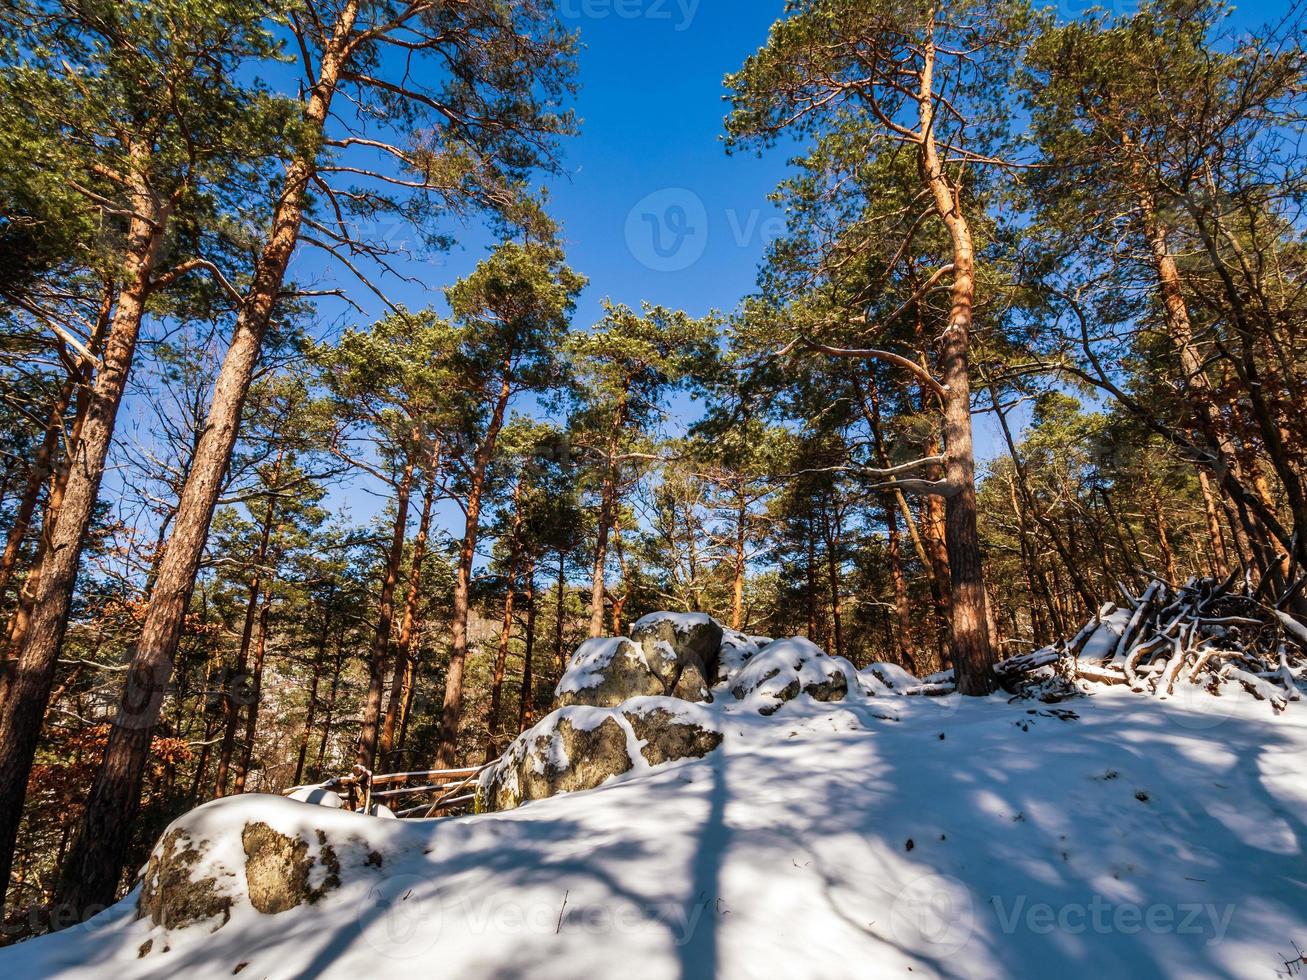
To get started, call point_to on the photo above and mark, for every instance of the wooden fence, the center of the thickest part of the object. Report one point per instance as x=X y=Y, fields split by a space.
x=361 y=789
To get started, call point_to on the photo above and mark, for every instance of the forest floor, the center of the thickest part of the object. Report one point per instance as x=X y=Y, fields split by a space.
x=1115 y=835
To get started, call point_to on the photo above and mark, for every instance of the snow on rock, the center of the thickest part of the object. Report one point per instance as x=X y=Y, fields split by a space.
x=784 y=669
x=737 y=649
x=580 y=747
x=667 y=653
x=604 y=672
x=884 y=678
x=248 y=854
x=317 y=795
x=682 y=649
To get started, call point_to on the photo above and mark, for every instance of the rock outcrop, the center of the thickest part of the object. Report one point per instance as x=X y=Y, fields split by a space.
x=265 y=853
x=784 y=669
x=682 y=649
x=606 y=671
x=580 y=747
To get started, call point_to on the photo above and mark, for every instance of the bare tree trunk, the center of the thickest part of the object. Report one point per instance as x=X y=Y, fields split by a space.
x=1227 y=469
x=451 y=713
x=402 y=679
x=812 y=585
x=833 y=536
x=256 y=694
x=231 y=704
x=560 y=662
x=526 y=702
x=607 y=505
x=607 y=510
x=973 y=657
x=1220 y=557
x=54 y=581
x=42 y=463
x=505 y=629
x=329 y=715
x=368 y=730
x=902 y=610
x=90 y=876
x=37 y=473
x=310 y=710
x=741 y=540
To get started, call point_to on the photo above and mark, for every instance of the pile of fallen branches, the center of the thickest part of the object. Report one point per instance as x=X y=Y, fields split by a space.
x=1206 y=632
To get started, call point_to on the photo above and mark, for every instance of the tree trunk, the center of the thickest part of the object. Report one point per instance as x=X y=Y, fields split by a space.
x=402 y=679
x=28 y=690
x=231 y=705
x=741 y=540
x=560 y=661
x=90 y=876
x=505 y=629
x=366 y=755
x=310 y=709
x=256 y=694
x=526 y=701
x=238 y=678
x=1227 y=469
x=607 y=505
x=1220 y=557
x=42 y=464
x=973 y=657
x=452 y=710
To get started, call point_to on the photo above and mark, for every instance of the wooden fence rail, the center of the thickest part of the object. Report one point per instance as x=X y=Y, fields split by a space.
x=449 y=786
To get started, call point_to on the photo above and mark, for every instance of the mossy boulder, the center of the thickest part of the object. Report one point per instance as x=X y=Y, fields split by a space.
x=682 y=649
x=580 y=747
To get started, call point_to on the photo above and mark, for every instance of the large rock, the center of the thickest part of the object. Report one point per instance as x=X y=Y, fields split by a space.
x=737 y=649
x=784 y=669
x=605 y=672
x=579 y=747
x=262 y=852
x=173 y=894
x=682 y=649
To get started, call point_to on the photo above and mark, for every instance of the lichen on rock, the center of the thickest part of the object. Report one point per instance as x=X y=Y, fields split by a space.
x=579 y=747
x=171 y=896
x=278 y=869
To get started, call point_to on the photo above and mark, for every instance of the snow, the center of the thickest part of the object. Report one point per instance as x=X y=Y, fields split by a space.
x=681 y=622
x=1113 y=835
x=591 y=659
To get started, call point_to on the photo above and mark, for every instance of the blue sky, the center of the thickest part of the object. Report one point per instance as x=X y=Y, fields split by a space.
x=651 y=114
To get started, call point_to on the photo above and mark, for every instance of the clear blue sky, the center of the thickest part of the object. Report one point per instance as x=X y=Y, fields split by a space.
x=651 y=119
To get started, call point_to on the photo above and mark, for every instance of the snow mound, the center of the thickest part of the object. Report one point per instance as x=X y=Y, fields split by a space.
x=784 y=669
x=736 y=651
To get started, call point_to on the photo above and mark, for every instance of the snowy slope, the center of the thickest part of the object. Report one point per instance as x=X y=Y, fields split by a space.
x=882 y=836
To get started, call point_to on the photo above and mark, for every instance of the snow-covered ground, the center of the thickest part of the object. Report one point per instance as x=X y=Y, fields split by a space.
x=880 y=836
